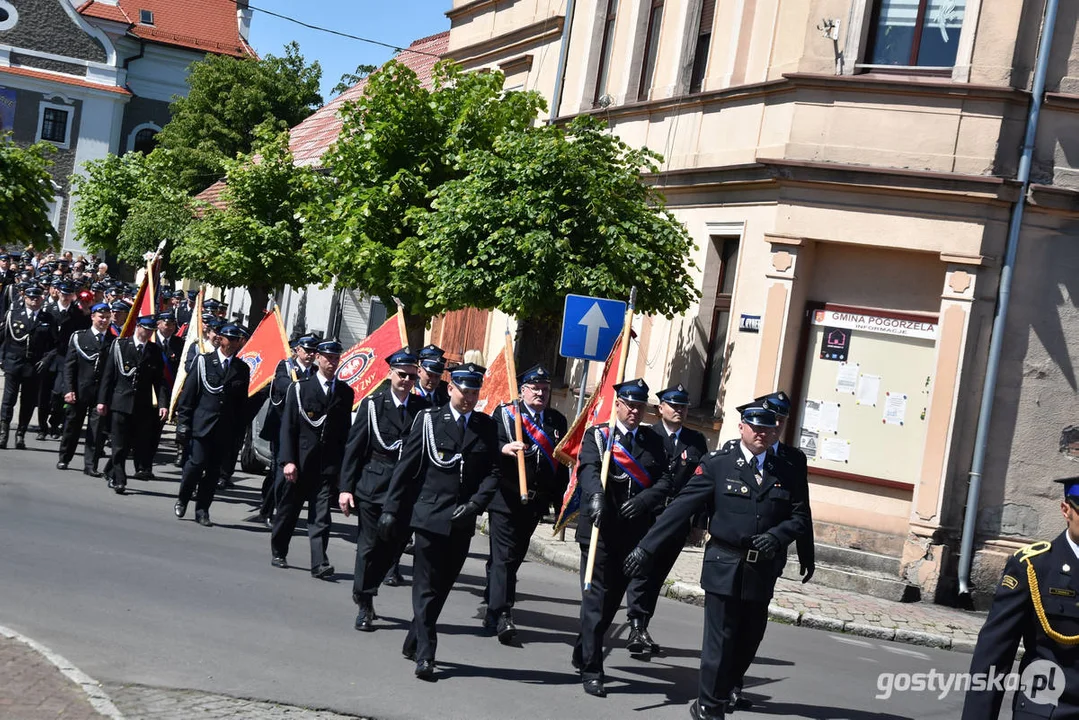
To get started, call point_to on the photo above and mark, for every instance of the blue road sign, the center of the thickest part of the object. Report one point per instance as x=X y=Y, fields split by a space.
x=590 y=327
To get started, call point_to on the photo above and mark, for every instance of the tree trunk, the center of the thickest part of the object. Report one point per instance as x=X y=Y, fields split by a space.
x=259 y=297
x=537 y=342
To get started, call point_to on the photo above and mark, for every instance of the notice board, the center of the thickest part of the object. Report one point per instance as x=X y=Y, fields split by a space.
x=864 y=393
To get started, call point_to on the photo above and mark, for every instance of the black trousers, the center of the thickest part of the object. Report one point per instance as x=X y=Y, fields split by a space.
x=733 y=629
x=374 y=556
x=145 y=453
x=510 y=534
x=202 y=469
x=129 y=432
x=643 y=592
x=94 y=440
x=49 y=404
x=269 y=484
x=22 y=386
x=436 y=562
x=600 y=603
x=315 y=491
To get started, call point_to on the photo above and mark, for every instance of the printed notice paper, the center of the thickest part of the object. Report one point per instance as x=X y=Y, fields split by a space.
x=835 y=449
x=846 y=378
x=868 y=390
x=807 y=443
x=811 y=416
x=829 y=417
x=895 y=408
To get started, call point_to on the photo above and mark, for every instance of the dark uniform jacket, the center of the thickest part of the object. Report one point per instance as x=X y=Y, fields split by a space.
x=282 y=381
x=797 y=459
x=1013 y=618
x=69 y=322
x=314 y=427
x=649 y=453
x=214 y=399
x=171 y=351
x=724 y=486
x=437 y=397
x=132 y=379
x=183 y=318
x=684 y=455
x=546 y=483
x=374 y=444
x=438 y=490
x=24 y=344
x=84 y=365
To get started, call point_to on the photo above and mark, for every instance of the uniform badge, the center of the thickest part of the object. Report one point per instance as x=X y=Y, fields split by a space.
x=699 y=471
x=1066 y=568
x=1009 y=582
x=740 y=462
x=744 y=489
x=1062 y=592
x=310 y=414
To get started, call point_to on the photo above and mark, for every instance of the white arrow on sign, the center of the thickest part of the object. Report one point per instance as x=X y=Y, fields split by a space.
x=593 y=321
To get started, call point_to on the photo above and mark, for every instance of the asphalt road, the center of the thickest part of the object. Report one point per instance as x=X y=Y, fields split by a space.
x=130 y=594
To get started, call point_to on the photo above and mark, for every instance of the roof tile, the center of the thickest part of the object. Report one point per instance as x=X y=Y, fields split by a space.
x=205 y=25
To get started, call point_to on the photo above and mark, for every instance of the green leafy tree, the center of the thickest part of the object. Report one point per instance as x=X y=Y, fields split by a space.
x=25 y=194
x=255 y=239
x=544 y=212
x=228 y=98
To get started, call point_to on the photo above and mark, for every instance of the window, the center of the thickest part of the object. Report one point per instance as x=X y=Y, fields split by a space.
x=9 y=16
x=704 y=43
x=605 y=50
x=54 y=125
x=915 y=33
x=146 y=17
x=721 y=316
x=651 y=48
x=145 y=141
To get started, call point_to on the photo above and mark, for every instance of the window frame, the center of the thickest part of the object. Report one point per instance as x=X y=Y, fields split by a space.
x=721 y=235
x=69 y=110
x=860 y=32
x=698 y=68
x=606 y=50
x=143 y=13
x=652 y=35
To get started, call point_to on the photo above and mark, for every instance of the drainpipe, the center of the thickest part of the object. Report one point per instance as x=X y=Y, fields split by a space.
x=996 y=342
x=563 y=58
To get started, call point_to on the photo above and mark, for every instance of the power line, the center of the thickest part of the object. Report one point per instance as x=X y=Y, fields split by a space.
x=337 y=32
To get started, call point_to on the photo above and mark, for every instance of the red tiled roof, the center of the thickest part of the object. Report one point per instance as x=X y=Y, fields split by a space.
x=63 y=79
x=212 y=195
x=314 y=136
x=205 y=25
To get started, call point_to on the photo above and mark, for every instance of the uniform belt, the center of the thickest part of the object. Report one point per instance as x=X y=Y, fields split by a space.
x=750 y=556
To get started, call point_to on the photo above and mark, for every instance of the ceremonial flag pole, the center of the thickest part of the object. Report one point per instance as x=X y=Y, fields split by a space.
x=194 y=338
x=605 y=466
x=511 y=378
x=401 y=328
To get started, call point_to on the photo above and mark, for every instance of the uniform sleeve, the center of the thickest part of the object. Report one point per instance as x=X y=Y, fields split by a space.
x=804 y=544
x=71 y=370
x=798 y=524
x=356 y=450
x=288 y=449
x=189 y=398
x=161 y=386
x=697 y=495
x=662 y=486
x=489 y=484
x=588 y=464
x=504 y=436
x=108 y=378
x=999 y=638
x=408 y=467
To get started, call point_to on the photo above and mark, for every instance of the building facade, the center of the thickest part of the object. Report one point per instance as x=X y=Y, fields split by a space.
x=97 y=78
x=847 y=169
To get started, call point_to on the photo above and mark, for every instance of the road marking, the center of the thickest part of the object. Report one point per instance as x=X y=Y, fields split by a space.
x=852 y=641
x=904 y=651
x=871 y=660
x=97 y=697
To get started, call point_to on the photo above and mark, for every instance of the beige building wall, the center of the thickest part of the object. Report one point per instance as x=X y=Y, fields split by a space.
x=859 y=186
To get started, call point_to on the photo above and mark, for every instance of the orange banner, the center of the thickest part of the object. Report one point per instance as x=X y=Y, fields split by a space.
x=363 y=366
x=496 y=389
x=267 y=347
x=144 y=299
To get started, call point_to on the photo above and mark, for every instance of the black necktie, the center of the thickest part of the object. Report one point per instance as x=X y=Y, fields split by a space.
x=225 y=364
x=402 y=410
x=100 y=339
x=461 y=426
x=674 y=438
x=627 y=441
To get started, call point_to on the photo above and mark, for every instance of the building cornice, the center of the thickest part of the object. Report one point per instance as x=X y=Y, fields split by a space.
x=508 y=44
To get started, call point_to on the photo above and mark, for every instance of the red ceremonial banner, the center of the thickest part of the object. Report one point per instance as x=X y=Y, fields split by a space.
x=496 y=388
x=144 y=299
x=363 y=366
x=267 y=347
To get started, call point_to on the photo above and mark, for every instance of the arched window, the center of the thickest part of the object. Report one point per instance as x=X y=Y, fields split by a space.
x=145 y=140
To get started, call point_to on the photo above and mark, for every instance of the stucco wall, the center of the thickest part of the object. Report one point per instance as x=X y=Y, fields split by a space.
x=45 y=26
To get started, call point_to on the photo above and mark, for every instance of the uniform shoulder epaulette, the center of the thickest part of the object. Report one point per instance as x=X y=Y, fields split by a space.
x=1033 y=550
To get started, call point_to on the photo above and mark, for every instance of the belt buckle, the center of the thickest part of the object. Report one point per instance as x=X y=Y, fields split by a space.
x=531 y=494
x=751 y=556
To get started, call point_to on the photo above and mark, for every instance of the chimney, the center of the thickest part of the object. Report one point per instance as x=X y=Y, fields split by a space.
x=243 y=19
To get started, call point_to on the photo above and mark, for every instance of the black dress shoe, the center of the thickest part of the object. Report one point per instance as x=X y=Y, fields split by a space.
x=92 y=472
x=202 y=517
x=425 y=669
x=180 y=508
x=636 y=644
x=507 y=631
x=61 y=465
x=144 y=475
x=279 y=562
x=323 y=572
x=699 y=713
x=264 y=520
x=41 y=436
x=393 y=580
x=365 y=619
x=737 y=701
x=408 y=654
x=595 y=688
x=575 y=660
x=651 y=645
x=118 y=488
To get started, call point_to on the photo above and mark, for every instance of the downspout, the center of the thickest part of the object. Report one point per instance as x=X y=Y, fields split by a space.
x=563 y=58
x=133 y=58
x=996 y=342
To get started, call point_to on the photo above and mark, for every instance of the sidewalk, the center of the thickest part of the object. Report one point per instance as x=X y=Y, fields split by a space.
x=809 y=605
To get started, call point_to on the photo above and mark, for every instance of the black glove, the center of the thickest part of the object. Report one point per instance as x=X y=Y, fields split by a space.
x=638 y=563
x=632 y=508
x=387 y=527
x=806 y=572
x=595 y=508
x=765 y=543
x=464 y=514
x=183 y=435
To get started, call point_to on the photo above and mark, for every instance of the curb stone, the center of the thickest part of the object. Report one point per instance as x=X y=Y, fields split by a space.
x=694 y=595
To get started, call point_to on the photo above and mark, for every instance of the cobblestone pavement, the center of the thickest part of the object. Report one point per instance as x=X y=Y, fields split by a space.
x=810 y=605
x=32 y=688
x=146 y=703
